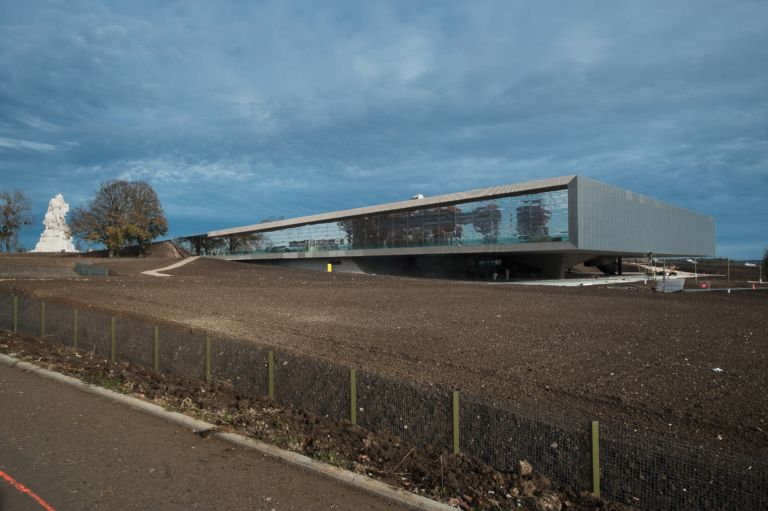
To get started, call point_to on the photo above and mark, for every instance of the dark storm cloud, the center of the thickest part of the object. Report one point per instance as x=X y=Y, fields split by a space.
x=239 y=111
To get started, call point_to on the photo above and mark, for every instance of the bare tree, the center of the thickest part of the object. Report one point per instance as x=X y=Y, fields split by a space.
x=121 y=213
x=14 y=216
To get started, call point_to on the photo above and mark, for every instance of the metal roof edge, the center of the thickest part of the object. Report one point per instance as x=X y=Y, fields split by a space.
x=538 y=185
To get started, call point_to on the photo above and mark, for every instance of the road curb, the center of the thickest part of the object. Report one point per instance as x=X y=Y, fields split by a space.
x=361 y=482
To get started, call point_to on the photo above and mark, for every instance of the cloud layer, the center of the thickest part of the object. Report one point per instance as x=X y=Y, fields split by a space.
x=240 y=111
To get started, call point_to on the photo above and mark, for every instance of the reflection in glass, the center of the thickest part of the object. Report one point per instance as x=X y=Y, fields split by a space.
x=541 y=217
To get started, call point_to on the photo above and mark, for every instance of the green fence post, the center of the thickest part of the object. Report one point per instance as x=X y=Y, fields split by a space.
x=596 y=458
x=15 y=314
x=74 y=329
x=156 y=349
x=456 y=422
x=208 y=359
x=353 y=396
x=42 y=319
x=271 y=374
x=113 y=340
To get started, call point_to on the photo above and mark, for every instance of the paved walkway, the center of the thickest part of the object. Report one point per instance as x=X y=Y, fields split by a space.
x=74 y=450
x=158 y=272
x=596 y=280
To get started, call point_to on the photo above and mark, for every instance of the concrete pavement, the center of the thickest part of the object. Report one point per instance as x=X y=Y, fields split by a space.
x=79 y=451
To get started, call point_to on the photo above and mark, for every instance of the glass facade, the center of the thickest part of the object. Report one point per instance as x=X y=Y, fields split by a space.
x=539 y=217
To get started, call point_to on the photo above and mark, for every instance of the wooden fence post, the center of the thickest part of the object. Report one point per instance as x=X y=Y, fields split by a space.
x=42 y=319
x=596 y=458
x=271 y=374
x=353 y=396
x=112 y=340
x=74 y=329
x=156 y=349
x=456 y=449
x=208 y=359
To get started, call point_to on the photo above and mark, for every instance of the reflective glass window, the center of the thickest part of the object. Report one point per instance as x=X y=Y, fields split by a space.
x=541 y=217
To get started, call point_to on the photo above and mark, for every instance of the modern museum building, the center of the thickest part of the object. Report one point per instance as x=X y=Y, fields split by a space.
x=536 y=228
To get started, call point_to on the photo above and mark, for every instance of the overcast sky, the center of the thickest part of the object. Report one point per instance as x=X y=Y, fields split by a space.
x=237 y=111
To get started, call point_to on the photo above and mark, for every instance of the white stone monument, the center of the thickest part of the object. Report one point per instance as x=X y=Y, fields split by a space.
x=56 y=237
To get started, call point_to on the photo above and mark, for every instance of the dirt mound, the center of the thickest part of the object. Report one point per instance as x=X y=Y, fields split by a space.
x=159 y=250
x=163 y=250
x=459 y=480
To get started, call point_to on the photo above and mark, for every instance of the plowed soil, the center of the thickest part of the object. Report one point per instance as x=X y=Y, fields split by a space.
x=688 y=366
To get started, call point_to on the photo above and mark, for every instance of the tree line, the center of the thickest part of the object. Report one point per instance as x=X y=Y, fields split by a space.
x=121 y=214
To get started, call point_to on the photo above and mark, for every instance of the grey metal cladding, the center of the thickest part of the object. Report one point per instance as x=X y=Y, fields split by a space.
x=573 y=211
x=612 y=219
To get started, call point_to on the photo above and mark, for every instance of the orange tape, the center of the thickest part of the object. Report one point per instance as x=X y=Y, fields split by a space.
x=23 y=489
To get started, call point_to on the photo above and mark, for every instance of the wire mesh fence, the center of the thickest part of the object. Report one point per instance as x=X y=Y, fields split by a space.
x=89 y=270
x=182 y=352
x=93 y=332
x=26 y=271
x=419 y=414
x=501 y=436
x=28 y=315
x=672 y=475
x=311 y=385
x=637 y=468
x=58 y=321
x=134 y=341
x=6 y=311
x=242 y=364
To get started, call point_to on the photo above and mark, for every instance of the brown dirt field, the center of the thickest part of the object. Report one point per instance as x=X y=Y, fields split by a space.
x=625 y=356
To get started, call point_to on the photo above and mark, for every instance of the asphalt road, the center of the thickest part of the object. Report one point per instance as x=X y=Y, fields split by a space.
x=79 y=451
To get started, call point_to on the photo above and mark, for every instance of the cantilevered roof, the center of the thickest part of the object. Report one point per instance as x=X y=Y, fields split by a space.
x=537 y=186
